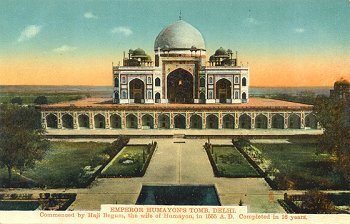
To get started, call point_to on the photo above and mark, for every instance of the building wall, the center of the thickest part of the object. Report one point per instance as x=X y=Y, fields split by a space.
x=122 y=76
x=109 y=119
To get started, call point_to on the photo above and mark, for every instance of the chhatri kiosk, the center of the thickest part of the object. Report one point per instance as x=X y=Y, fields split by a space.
x=180 y=87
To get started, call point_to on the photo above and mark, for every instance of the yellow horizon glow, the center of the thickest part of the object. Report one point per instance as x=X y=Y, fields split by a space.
x=274 y=71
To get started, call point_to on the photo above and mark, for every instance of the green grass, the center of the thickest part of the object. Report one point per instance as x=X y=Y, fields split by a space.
x=63 y=164
x=300 y=167
x=120 y=169
x=16 y=179
x=230 y=163
x=28 y=98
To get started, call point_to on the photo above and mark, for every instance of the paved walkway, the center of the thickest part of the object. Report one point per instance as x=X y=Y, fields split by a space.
x=178 y=161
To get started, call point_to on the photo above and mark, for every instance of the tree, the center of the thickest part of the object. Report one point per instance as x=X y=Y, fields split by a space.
x=332 y=114
x=22 y=142
x=316 y=202
x=41 y=100
x=17 y=100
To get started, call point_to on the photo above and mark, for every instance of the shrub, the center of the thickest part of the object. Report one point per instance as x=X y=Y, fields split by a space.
x=117 y=145
x=41 y=100
x=316 y=202
x=98 y=160
x=241 y=142
x=17 y=100
x=284 y=182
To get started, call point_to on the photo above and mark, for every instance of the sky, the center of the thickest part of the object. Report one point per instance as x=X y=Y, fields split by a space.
x=73 y=42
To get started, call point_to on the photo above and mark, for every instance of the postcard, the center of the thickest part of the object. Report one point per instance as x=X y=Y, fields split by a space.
x=164 y=111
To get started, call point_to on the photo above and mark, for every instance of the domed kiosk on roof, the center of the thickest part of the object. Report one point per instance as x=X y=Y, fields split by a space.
x=179 y=35
x=138 y=52
x=220 y=52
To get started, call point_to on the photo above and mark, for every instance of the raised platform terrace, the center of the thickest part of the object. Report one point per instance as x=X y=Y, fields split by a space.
x=252 y=105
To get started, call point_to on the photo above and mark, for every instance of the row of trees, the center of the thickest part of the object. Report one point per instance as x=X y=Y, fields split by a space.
x=22 y=140
x=39 y=100
x=306 y=97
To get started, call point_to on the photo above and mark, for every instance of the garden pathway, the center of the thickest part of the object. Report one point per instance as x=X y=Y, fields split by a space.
x=178 y=161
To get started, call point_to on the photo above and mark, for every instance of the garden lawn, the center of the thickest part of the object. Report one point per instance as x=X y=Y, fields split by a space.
x=230 y=162
x=17 y=179
x=132 y=153
x=64 y=163
x=300 y=167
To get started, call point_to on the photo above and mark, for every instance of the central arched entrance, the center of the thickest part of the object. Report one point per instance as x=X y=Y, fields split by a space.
x=180 y=86
x=223 y=90
x=137 y=89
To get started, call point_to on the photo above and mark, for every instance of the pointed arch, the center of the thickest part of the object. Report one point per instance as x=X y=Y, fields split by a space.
x=278 y=121
x=180 y=121
x=245 y=121
x=244 y=81
x=131 y=121
x=228 y=121
x=51 y=121
x=261 y=121
x=147 y=122
x=83 y=121
x=67 y=121
x=157 y=82
x=163 y=121
x=137 y=90
x=196 y=121
x=100 y=121
x=116 y=121
x=294 y=121
x=157 y=97
x=180 y=86
x=223 y=90
x=212 y=122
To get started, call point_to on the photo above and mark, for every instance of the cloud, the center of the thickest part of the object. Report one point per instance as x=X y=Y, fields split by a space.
x=299 y=30
x=90 y=15
x=64 y=48
x=122 y=30
x=252 y=21
x=29 y=32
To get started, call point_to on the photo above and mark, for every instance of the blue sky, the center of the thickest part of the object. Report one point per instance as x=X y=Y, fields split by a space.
x=256 y=28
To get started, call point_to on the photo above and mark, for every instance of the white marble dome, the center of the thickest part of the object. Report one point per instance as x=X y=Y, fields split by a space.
x=179 y=35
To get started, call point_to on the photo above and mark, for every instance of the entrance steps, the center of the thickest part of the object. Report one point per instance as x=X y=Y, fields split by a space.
x=179 y=135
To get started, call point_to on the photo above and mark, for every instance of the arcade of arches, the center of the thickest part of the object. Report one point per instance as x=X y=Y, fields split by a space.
x=178 y=120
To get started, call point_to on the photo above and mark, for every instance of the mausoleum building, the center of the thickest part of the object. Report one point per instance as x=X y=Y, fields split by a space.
x=179 y=87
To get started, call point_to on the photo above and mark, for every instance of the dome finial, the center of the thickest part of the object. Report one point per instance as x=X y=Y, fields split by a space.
x=180 y=16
